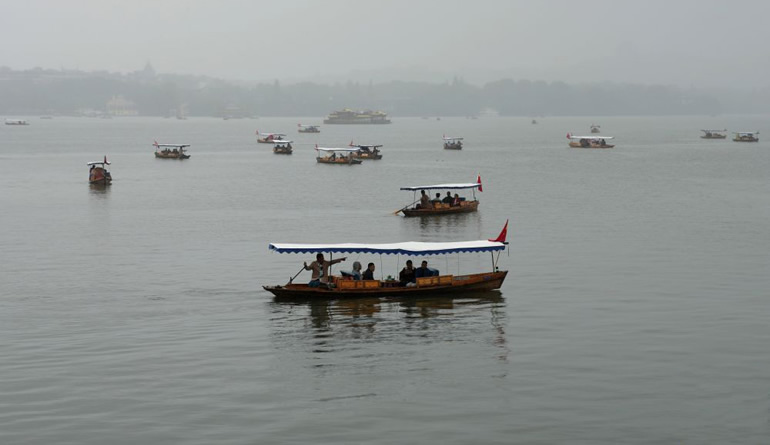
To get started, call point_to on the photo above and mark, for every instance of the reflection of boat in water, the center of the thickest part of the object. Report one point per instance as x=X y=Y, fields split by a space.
x=171 y=151
x=282 y=147
x=308 y=128
x=339 y=156
x=746 y=136
x=437 y=206
x=714 y=134
x=98 y=173
x=595 y=128
x=367 y=151
x=269 y=138
x=433 y=284
x=453 y=143
x=589 y=141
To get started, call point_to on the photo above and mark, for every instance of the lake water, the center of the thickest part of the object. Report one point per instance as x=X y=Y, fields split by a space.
x=636 y=309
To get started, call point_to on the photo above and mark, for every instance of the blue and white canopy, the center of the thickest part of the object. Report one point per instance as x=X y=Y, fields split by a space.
x=446 y=138
x=171 y=145
x=346 y=149
x=596 y=138
x=281 y=142
x=469 y=185
x=746 y=133
x=412 y=248
x=714 y=131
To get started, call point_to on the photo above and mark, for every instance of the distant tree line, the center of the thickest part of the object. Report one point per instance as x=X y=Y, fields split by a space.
x=41 y=91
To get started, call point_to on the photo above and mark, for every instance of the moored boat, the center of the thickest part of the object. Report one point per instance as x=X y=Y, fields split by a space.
x=367 y=151
x=269 y=138
x=282 y=147
x=746 y=136
x=589 y=141
x=714 y=134
x=449 y=205
x=308 y=128
x=453 y=143
x=432 y=283
x=338 y=156
x=98 y=173
x=171 y=151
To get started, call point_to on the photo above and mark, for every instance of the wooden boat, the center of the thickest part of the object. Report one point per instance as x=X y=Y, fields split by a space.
x=171 y=151
x=338 y=286
x=16 y=122
x=282 y=147
x=308 y=128
x=453 y=143
x=437 y=206
x=714 y=134
x=589 y=141
x=595 y=128
x=339 y=156
x=269 y=138
x=746 y=136
x=98 y=173
x=367 y=151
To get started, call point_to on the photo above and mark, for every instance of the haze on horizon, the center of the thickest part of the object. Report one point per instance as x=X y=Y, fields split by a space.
x=687 y=43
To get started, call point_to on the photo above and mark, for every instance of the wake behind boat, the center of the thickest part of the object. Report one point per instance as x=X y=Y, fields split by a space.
x=171 y=151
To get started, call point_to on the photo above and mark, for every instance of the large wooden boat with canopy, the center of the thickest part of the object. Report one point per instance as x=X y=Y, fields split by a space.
x=269 y=138
x=340 y=286
x=589 y=141
x=437 y=205
x=171 y=151
x=308 y=128
x=367 y=151
x=339 y=156
x=98 y=173
x=282 y=147
x=453 y=143
x=714 y=134
x=746 y=136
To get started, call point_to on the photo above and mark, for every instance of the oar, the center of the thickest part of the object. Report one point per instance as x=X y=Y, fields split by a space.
x=295 y=276
x=402 y=208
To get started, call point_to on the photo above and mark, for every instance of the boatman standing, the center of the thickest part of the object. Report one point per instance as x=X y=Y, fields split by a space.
x=320 y=268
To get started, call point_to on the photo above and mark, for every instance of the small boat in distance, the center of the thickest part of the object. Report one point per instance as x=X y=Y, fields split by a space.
x=589 y=141
x=595 y=128
x=534 y=122
x=16 y=122
x=98 y=173
x=339 y=156
x=714 y=134
x=453 y=143
x=171 y=151
x=348 y=116
x=427 y=282
x=367 y=151
x=268 y=138
x=441 y=205
x=308 y=128
x=746 y=136
x=282 y=147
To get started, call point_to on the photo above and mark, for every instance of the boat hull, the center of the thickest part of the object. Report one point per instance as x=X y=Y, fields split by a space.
x=447 y=284
x=282 y=151
x=162 y=155
x=578 y=145
x=453 y=146
x=724 y=136
x=309 y=131
x=369 y=156
x=351 y=161
x=745 y=140
x=464 y=207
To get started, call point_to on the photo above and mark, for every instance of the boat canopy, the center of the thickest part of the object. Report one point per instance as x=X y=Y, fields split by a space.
x=98 y=163
x=746 y=133
x=598 y=138
x=714 y=131
x=365 y=145
x=307 y=126
x=282 y=142
x=172 y=145
x=452 y=139
x=346 y=149
x=412 y=248
x=270 y=134
x=470 y=185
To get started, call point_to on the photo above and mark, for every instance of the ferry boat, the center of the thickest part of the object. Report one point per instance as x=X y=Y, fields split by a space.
x=282 y=147
x=269 y=138
x=16 y=122
x=171 y=151
x=746 y=136
x=453 y=143
x=367 y=151
x=98 y=173
x=714 y=134
x=308 y=128
x=595 y=128
x=339 y=156
x=429 y=282
x=439 y=205
x=348 y=116
x=589 y=141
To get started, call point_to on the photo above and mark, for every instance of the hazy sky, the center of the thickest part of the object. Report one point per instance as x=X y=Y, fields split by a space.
x=700 y=43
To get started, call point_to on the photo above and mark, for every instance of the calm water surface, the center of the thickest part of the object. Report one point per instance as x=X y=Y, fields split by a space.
x=636 y=309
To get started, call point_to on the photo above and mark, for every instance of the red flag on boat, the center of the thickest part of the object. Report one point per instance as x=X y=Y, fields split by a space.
x=478 y=181
x=569 y=135
x=503 y=234
x=105 y=159
x=155 y=143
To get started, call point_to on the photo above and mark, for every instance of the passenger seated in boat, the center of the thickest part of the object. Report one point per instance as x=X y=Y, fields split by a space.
x=333 y=156
x=424 y=201
x=369 y=272
x=456 y=200
x=448 y=198
x=406 y=276
x=354 y=274
x=436 y=200
x=604 y=143
x=584 y=143
x=320 y=268
x=425 y=271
